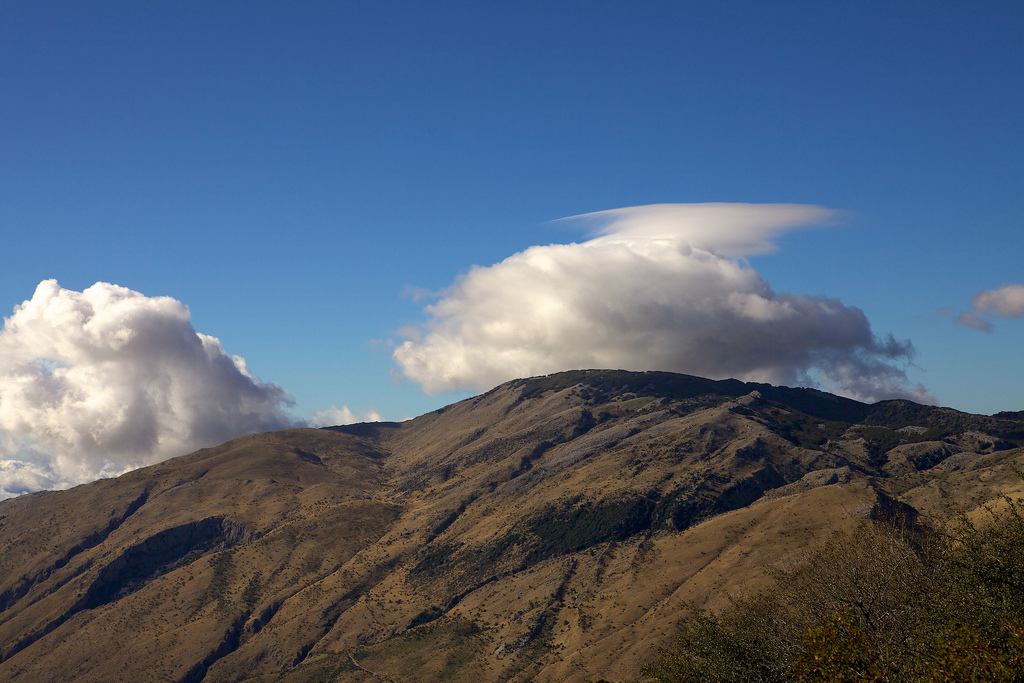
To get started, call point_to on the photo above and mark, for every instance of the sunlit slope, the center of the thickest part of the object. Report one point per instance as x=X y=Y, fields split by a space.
x=546 y=530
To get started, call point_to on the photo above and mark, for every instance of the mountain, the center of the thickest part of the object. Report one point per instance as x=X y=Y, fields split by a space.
x=548 y=529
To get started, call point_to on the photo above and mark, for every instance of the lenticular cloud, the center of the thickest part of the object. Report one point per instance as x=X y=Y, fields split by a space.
x=660 y=288
x=97 y=382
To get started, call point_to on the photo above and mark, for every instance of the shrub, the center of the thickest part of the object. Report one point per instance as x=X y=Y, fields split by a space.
x=881 y=603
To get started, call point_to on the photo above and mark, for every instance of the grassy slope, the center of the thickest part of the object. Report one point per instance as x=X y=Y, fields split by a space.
x=546 y=530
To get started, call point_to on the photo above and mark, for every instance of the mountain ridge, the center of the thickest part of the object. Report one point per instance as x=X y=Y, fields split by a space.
x=544 y=530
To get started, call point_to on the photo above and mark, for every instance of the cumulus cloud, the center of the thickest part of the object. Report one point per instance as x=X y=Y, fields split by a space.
x=659 y=288
x=18 y=477
x=343 y=416
x=1006 y=302
x=98 y=382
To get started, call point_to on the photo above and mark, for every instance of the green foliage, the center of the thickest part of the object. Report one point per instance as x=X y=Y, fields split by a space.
x=840 y=649
x=989 y=561
x=964 y=653
x=736 y=647
x=883 y=603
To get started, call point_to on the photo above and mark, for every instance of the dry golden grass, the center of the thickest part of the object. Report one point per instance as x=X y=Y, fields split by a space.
x=550 y=539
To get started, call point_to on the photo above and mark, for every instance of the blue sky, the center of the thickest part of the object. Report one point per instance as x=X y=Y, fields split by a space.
x=295 y=172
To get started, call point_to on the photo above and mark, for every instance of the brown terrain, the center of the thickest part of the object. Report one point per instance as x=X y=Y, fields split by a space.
x=547 y=530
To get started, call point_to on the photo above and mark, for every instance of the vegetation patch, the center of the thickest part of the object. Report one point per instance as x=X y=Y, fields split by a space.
x=576 y=527
x=438 y=650
x=804 y=430
x=883 y=603
x=223 y=566
x=432 y=560
x=153 y=557
x=426 y=616
x=601 y=385
x=941 y=423
x=527 y=461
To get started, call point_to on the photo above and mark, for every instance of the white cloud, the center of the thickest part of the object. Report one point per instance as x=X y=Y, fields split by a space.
x=97 y=382
x=726 y=229
x=659 y=288
x=18 y=477
x=1006 y=301
x=343 y=416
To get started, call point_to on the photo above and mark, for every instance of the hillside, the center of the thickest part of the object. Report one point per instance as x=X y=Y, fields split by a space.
x=546 y=530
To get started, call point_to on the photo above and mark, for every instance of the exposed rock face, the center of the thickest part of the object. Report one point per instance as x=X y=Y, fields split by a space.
x=545 y=530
